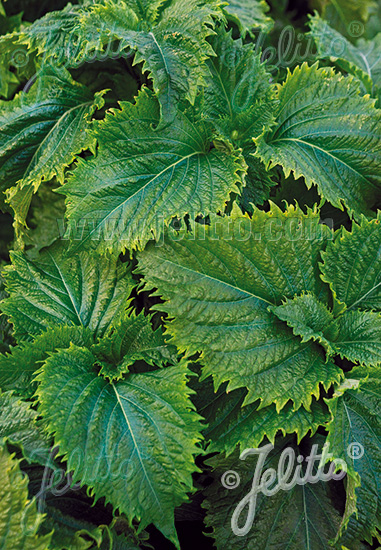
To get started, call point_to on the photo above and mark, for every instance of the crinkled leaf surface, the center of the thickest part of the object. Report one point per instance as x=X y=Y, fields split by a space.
x=45 y=221
x=218 y=284
x=239 y=97
x=239 y=102
x=131 y=441
x=143 y=176
x=229 y=424
x=352 y=265
x=329 y=134
x=362 y=59
x=120 y=542
x=61 y=289
x=354 y=435
x=359 y=338
x=41 y=133
x=354 y=334
x=169 y=39
x=19 y=425
x=173 y=50
x=58 y=34
x=17 y=368
x=132 y=339
x=309 y=318
x=249 y=14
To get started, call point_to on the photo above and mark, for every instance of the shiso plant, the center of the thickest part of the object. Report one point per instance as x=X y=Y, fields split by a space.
x=191 y=268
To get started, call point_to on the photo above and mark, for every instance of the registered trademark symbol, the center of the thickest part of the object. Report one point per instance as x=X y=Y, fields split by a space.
x=355 y=450
x=356 y=29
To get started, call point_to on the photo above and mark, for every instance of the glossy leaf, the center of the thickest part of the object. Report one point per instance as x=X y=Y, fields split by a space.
x=61 y=289
x=359 y=338
x=134 y=439
x=330 y=135
x=249 y=14
x=42 y=131
x=229 y=424
x=17 y=368
x=218 y=284
x=358 y=253
x=354 y=435
x=362 y=59
x=132 y=339
x=19 y=426
x=309 y=318
x=239 y=102
x=142 y=177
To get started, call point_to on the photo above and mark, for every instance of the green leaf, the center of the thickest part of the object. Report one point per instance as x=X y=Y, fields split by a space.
x=259 y=182
x=302 y=518
x=61 y=289
x=239 y=102
x=359 y=338
x=133 y=441
x=18 y=367
x=330 y=135
x=9 y=52
x=356 y=429
x=239 y=98
x=126 y=541
x=129 y=340
x=41 y=133
x=59 y=35
x=146 y=9
x=173 y=51
x=373 y=24
x=341 y=13
x=310 y=319
x=172 y=46
x=355 y=335
x=229 y=424
x=19 y=426
x=8 y=79
x=358 y=253
x=17 y=64
x=143 y=176
x=220 y=281
x=20 y=519
x=249 y=14
x=362 y=60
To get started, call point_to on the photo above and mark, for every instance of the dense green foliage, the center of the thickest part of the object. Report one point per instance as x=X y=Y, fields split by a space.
x=191 y=267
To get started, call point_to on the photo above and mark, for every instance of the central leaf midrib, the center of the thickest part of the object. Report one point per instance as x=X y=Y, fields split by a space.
x=46 y=137
x=119 y=206
x=69 y=293
x=135 y=445
x=248 y=294
x=350 y=168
